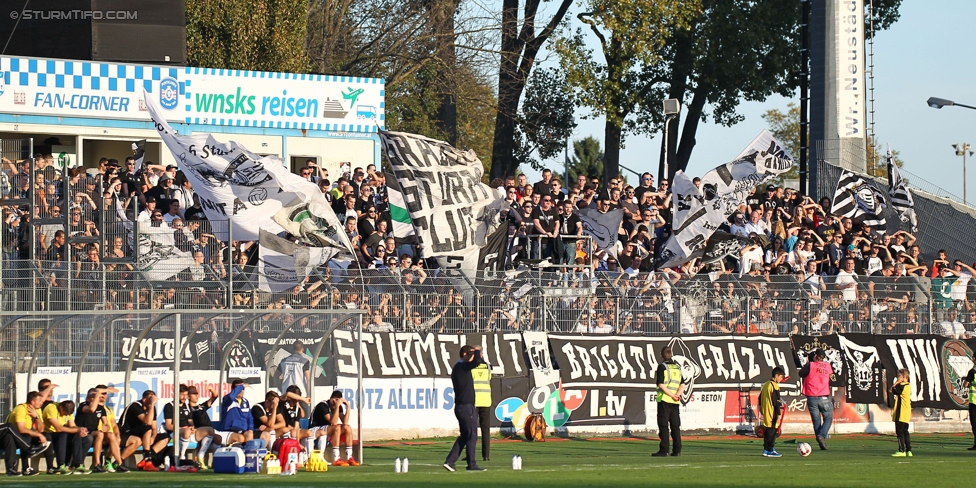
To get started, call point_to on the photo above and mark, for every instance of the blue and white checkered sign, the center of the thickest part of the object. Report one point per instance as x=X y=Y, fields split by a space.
x=79 y=88
x=203 y=96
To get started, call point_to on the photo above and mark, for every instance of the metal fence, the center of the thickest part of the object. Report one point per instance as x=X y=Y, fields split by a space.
x=109 y=342
x=450 y=301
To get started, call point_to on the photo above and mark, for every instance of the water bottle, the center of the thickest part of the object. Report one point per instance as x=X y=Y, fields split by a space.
x=520 y=463
x=406 y=465
x=396 y=465
x=515 y=462
x=166 y=463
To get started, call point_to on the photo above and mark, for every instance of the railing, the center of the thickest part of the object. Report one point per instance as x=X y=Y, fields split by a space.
x=603 y=301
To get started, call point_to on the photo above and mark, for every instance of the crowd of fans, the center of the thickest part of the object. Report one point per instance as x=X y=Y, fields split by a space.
x=804 y=270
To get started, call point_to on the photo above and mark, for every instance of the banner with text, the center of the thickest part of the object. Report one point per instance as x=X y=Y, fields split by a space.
x=412 y=354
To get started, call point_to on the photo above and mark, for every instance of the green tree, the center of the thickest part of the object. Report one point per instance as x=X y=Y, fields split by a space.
x=632 y=34
x=734 y=50
x=263 y=35
x=520 y=44
x=587 y=160
x=547 y=120
x=785 y=127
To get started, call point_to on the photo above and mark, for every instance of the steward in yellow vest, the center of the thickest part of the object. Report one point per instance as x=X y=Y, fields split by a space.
x=669 y=388
x=481 y=376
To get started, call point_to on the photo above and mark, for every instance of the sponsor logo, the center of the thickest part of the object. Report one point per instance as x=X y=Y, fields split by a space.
x=169 y=93
x=958 y=360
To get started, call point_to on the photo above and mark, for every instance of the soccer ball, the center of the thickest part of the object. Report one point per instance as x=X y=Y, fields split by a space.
x=803 y=449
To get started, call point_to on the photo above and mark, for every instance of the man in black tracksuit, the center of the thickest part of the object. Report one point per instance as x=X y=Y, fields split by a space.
x=464 y=408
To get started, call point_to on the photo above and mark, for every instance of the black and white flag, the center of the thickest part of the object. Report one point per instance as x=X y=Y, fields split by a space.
x=284 y=264
x=494 y=255
x=901 y=196
x=722 y=244
x=602 y=227
x=856 y=199
x=444 y=195
x=159 y=258
x=248 y=190
x=700 y=212
x=139 y=153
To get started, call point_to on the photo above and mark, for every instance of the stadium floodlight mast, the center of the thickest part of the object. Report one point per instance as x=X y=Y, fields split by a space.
x=963 y=149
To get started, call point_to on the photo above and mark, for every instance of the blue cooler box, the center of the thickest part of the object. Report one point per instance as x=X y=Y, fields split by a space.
x=228 y=460
x=253 y=459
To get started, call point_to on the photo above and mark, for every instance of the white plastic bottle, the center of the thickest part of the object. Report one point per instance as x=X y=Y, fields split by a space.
x=515 y=462
x=406 y=465
x=520 y=463
x=166 y=463
x=396 y=465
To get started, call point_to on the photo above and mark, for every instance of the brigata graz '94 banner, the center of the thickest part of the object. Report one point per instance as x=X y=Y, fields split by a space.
x=867 y=364
x=708 y=363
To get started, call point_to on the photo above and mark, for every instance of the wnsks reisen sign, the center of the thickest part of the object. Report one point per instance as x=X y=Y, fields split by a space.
x=283 y=100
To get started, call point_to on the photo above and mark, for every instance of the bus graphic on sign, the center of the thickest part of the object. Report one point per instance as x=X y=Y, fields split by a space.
x=366 y=112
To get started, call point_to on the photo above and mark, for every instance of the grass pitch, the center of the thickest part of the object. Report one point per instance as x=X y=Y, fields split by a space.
x=856 y=460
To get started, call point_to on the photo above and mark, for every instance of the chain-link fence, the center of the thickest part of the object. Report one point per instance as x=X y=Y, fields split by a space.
x=450 y=301
x=70 y=345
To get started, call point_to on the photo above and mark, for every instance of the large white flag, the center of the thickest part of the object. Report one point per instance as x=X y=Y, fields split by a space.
x=448 y=203
x=159 y=258
x=248 y=190
x=700 y=212
x=284 y=264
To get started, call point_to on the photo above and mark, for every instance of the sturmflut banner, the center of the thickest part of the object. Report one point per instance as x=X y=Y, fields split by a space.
x=412 y=354
x=444 y=194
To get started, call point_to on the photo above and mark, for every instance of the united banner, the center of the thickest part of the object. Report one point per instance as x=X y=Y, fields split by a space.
x=237 y=185
x=444 y=194
x=157 y=349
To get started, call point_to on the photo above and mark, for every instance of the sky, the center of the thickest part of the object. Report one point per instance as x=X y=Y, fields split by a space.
x=927 y=53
